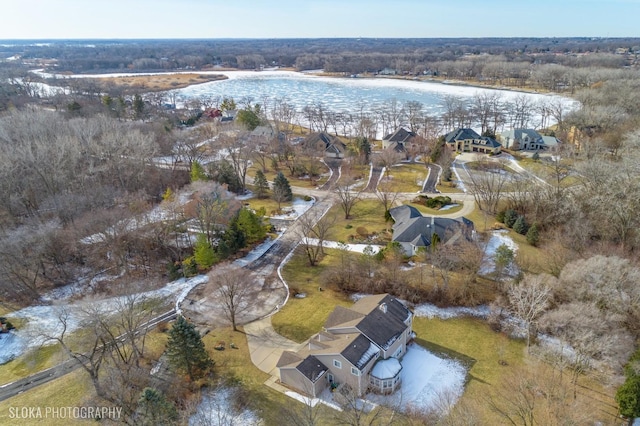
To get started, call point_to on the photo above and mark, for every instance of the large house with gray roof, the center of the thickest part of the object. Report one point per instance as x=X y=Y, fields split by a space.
x=360 y=346
x=322 y=142
x=467 y=140
x=413 y=231
x=527 y=139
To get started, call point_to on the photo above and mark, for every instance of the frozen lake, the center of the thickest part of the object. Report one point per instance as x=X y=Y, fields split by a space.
x=341 y=94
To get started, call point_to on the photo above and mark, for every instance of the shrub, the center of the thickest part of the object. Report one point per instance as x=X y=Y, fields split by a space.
x=520 y=225
x=308 y=198
x=535 y=156
x=362 y=231
x=500 y=216
x=510 y=217
x=533 y=235
x=348 y=226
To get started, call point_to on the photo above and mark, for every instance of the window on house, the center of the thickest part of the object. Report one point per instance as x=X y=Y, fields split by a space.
x=355 y=371
x=337 y=363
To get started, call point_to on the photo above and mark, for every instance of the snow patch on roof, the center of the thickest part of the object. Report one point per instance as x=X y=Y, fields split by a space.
x=366 y=357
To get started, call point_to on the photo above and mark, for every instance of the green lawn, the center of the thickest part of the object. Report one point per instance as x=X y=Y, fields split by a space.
x=448 y=188
x=407 y=177
x=315 y=307
x=36 y=360
x=367 y=213
x=270 y=174
x=71 y=390
x=435 y=212
x=235 y=365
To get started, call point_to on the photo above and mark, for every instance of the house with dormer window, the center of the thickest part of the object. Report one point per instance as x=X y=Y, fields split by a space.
x=360 y=346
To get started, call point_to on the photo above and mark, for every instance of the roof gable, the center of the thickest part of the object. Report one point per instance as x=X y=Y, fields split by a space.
x=312 y=368
x=461 y=135
x=341 y=315
x=360 y=352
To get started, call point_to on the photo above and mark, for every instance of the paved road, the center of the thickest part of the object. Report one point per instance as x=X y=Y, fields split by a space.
x=432 y=178
x=376 y=174
x=14 y=388
x=335 y=165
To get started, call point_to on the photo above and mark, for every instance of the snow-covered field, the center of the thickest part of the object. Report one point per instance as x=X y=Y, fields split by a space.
x=428 y=382
x=43 y=320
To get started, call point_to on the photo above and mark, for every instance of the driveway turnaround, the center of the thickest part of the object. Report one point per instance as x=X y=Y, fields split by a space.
x=266 y=346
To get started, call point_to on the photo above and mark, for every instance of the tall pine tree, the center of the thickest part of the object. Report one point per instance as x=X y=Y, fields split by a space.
x=261 y=186
x=186 y=351
x=281 y=189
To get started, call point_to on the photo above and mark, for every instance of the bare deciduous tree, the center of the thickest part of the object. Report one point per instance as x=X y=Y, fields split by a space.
x=235 y=290
x=529 y=299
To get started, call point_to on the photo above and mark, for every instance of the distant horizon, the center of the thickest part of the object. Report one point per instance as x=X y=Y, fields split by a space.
x=317 y=38
x=316 y=19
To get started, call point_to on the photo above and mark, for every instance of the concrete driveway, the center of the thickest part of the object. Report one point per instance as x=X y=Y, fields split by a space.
x=266 y=346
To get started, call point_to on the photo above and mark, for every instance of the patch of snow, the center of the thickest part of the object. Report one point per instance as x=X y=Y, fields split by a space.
x=359 y=248
x=366 y=357
x=43 y=320
x=428 y=382
x=298 y=207
x=217 y=408
x=11 y=346
x=428 y=310
x=497 y=239
x=386 y=368
x=258 y=251
x=325 y=398
x=449 y=206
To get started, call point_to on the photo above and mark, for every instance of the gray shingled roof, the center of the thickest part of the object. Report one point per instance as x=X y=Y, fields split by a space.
x=461 y=135
x=326 y=140
x=341 y=315
x=412 y=227
x=312 y=368
x=519 y=134
x=358 y=353
x=400 y=135
x=382 y=328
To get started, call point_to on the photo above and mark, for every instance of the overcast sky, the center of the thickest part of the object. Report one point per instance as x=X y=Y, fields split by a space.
x=43 y=19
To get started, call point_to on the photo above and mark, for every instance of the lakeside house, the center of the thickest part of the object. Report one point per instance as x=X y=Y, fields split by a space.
x=331 y=146
x=401 y=140
x=413 y=231
x=360 y=347
x=527 y=139
x=467 y=140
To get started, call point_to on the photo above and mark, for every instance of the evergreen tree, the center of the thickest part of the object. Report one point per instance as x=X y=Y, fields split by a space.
x=510 y=217
x=628 y=397
x=185 y=349
x=533 y=235
x=197 y=172
x=234 y=237
x=281 y=189
x=138 y=107
x=251 y=225
x=364 y=149
x=261 y=186
x=154 y=409
x=520 y=225
x=223 y=172
x=203 y=252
